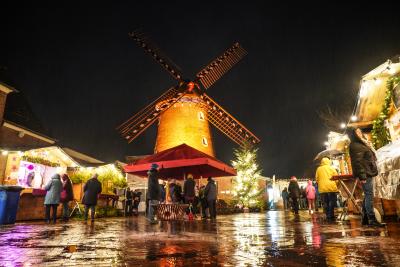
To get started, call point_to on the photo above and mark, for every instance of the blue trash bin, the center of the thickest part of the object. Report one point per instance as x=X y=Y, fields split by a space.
x=9 y=199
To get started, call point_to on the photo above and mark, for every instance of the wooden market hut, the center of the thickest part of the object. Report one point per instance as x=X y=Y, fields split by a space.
x=370 y=104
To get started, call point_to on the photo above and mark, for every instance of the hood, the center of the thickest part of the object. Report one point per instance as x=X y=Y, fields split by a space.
x=325 y=161
x=56 y=176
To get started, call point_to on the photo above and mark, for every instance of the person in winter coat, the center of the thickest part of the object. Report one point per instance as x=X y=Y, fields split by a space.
x=136 y=201
x=153 y=193
x=52 y=198
x=363 y=162
x=67 y=195
x=294 y=193
x=172 y=190
x=285 y=196
x=188 y=189
x=162 y=191
x=310 y=192
x=91 y=190
x=203 y=202
x=178 y=193
x=327 y=188
x=210 y=193
x=128 y=202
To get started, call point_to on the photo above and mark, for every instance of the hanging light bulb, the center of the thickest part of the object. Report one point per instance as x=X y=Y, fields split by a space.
x=353 y=118
x=326 y=143
x=390 y=69
x=377 y=81
x=343 y=125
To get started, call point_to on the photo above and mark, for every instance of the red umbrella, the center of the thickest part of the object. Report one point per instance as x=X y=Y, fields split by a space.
x=179 y=161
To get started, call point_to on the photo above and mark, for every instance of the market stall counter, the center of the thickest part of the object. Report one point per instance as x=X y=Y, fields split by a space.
x=31 y=205
x=351 y=191
x=106 y=199
x=387 y=182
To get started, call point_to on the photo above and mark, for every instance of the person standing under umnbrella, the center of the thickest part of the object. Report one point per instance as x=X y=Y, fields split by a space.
x=210 y=193
x=153 y=193
x=188 y=189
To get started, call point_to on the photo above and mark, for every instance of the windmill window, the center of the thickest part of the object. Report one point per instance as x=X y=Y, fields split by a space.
x=204 y=141
x=201 y=116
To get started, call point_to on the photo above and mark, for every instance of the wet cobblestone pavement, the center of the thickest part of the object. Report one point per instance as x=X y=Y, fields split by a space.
x=275 y=238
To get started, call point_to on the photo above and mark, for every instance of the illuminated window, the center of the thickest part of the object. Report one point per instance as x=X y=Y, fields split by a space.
x=201 y=116
x=204 y=141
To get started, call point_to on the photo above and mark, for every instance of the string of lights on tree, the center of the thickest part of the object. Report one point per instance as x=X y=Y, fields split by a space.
x=246 y=189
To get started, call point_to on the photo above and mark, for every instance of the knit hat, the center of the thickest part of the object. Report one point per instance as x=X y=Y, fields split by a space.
x=154 y=166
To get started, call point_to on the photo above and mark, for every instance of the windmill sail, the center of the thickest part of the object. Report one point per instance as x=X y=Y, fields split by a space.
x=151 y=48
x=139 y=122
x=227 y=124
x=222 y=64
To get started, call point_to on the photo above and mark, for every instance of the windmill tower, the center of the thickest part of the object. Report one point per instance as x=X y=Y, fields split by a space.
x=185 y=111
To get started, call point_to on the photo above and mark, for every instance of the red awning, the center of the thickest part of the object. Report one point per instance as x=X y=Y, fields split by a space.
x=179 y=161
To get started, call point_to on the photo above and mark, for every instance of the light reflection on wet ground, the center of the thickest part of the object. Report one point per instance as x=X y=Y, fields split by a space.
x=275 y=238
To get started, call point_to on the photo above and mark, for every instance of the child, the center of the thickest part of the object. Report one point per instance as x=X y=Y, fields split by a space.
x=310 y=191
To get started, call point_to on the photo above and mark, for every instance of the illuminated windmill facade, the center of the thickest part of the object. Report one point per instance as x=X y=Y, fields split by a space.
x=184 y=111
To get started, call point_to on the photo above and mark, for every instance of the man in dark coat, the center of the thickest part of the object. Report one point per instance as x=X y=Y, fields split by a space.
x=285 y=196
x=162 y=192
x=128 y=202
x=294 y=193
x=363 y=162
x=210 y=193
x=136 y=201
x=91 y=191
x=203 y=202
x=188 y=189
x=153 y=193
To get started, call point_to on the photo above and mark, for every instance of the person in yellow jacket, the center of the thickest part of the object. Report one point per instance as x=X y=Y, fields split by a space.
x=327 y=188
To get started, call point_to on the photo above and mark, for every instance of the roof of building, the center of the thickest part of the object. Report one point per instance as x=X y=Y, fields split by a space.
x=18 y=111
x=82 y=159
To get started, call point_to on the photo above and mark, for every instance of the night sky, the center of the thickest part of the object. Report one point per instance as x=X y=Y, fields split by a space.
x=83 y=75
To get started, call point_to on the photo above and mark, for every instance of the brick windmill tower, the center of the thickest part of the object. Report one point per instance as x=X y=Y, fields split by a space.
x=184 y=111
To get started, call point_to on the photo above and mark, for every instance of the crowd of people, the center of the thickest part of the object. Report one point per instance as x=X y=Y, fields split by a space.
x=201 y=200
x=59 y=191
x=324 y=191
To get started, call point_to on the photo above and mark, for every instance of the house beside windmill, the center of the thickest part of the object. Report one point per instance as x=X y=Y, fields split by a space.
x=19 y=130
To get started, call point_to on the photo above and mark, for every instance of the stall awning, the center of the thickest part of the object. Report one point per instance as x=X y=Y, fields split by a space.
x=179 y=161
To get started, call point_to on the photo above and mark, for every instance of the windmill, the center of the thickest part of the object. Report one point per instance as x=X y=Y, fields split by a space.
x=184 y=111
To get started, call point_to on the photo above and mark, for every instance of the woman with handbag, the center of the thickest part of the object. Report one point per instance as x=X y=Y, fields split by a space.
x=67 y=195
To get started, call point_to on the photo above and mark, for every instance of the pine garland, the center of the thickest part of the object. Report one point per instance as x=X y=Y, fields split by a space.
x=39 y=161
x=380 y=134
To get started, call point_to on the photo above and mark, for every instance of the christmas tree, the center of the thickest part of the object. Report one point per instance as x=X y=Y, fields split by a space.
x=246 y=190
